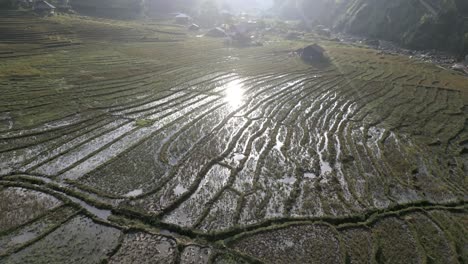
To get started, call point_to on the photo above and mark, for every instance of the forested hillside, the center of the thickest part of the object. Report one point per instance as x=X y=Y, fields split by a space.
x=418 y=24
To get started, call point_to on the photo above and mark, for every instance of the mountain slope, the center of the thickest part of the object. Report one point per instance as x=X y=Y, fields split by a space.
x=419 y=24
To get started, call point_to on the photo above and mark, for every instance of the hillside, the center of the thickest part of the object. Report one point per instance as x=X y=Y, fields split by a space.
x=418 y=24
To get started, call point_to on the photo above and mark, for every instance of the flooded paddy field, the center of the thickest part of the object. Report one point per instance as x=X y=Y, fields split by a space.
x=128 y=142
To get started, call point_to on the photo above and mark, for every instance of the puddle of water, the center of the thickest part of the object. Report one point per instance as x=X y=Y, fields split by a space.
x=232 y=58
x=238 y=157
x=235 y=159
x=325 y=167
x=64 y=161
x=278 y=145
x=310 y=175
x=376 y=133
x=102 y=214
x=179 y=190
x=134 y=193
x=292 y=83
x=288 y=180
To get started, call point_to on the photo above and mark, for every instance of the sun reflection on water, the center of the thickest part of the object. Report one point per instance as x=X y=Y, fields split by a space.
x=234 y=93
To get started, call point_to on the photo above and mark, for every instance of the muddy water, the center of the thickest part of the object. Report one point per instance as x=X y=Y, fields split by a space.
x=296 y=142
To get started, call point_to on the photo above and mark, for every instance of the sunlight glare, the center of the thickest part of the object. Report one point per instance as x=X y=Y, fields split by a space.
x=234 y=93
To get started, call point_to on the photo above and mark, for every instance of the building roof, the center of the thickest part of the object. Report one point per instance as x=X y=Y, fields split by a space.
x=315 y=47
x=182 y=16
x=43 y=5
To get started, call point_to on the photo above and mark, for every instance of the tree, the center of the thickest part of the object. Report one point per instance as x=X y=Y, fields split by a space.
x=7 y=4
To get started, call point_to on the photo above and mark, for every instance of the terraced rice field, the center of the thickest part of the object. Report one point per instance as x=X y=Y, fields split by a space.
x=131 y=142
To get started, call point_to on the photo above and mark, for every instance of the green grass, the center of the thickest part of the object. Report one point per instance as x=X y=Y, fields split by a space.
x=144 y=122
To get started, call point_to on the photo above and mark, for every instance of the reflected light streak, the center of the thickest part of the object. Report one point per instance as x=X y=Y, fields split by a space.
x=234 y=93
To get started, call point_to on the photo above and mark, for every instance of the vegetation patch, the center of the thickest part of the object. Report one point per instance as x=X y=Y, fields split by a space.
x=144 y=122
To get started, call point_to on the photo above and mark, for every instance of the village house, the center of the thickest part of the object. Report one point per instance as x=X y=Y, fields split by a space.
x=182 y=19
